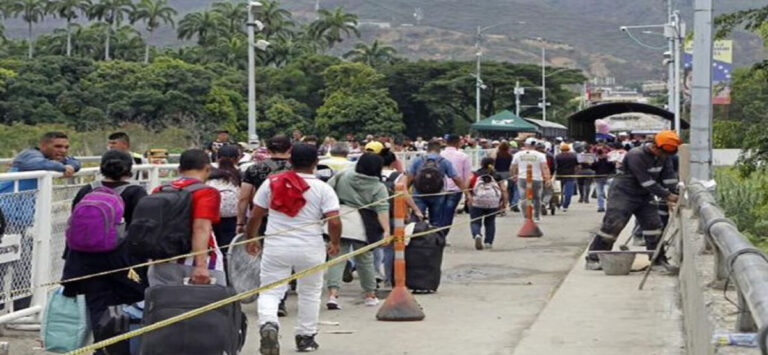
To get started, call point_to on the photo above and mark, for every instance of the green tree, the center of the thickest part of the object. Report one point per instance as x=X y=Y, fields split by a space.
x=330 y=26
x=112 y=13
x=374 y=55
x=31 y=12
x=69 y=10
x=235 y=13
x=277 y=21
x=205 y=25
x=153 y=13
x=357 y=102
x=283 y=116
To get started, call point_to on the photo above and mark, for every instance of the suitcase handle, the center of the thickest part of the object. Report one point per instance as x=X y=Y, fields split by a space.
x=186 y=281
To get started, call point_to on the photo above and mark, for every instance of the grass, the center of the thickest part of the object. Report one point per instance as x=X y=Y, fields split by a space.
x=745 y=201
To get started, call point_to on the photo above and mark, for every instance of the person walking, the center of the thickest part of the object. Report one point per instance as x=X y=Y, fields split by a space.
x=567 y=166
x=297 y=203
x=226 y=178
x=522 y=160
x=502 y=160
x=647 y=171
x=604 y=170
x=426 y=174
x=117 y=288
x=358 y=188
x=489 y=195
x=463 y=167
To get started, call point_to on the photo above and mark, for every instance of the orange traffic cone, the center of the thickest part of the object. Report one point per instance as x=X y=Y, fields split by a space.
x=529 y=228
x=400 y=305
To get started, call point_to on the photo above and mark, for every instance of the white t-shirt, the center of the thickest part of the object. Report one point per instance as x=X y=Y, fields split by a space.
x=305 y=228
x=524 y=158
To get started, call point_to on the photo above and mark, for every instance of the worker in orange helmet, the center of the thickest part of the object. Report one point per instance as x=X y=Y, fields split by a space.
x=647 y=171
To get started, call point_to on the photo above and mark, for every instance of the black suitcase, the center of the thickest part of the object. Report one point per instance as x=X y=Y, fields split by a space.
x=217 y=332
x=424 y=259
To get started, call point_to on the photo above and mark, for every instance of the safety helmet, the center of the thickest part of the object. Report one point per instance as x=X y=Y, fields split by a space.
x=668 y=141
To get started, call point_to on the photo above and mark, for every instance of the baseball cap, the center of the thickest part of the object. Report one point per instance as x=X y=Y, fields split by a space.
x=530 y=141
x=374 y=147
x=565 y=147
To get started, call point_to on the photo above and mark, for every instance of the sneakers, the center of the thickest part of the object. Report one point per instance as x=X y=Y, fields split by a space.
x=333 y=303
x=371 y=302
x=600 y=210
x=270 y=345
x=488 y=246
x=306 y=343
x=565 y=210
x=514 y=208
x=479 y=242
x=593 y=264
x=537 y=219
x=281 y=311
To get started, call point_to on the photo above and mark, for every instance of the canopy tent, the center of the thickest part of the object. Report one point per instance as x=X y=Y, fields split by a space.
x=582 y=123
x=504 y=121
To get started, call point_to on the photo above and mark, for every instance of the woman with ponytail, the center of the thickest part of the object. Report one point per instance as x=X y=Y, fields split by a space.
x=489 y=195
x=114 y=289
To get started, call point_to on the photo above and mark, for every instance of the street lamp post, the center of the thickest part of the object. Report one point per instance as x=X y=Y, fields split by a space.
x=253 y=25
x=543 y=81
x=478 y=57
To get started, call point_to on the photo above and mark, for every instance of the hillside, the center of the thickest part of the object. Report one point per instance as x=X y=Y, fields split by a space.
x=580 y=33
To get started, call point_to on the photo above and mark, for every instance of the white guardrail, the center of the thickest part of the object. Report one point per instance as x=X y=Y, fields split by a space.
x=33 y=245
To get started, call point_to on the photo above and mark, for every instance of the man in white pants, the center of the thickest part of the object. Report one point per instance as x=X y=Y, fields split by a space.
x=296 y=202
x=518 y=170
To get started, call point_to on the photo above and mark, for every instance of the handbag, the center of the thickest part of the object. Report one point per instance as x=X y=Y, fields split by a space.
x=65 y=325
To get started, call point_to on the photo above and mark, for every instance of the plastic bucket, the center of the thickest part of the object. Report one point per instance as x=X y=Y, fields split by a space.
x=616 y=263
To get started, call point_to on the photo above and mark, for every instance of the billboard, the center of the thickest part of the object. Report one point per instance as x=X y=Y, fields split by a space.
x=722 y=66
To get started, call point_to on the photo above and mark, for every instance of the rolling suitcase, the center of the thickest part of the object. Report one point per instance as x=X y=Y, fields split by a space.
x=424 y=259
x=216 y=332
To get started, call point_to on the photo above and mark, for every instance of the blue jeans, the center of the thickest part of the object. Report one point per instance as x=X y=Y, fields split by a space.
x=489 y=221
x=601 y=184
x=513 y=193
x=432 y=206
x=568 y=186
x=449 y=210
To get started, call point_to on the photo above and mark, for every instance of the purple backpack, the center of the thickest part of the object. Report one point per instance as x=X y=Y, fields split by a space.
x=96 y=224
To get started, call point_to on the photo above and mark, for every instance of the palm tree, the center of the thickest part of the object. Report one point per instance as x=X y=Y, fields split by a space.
x=331 y=24
x=152 y=12
x=203 y=24
x=372 y=55
x=277 y=21
x=31 y=11
x=68 y=9
x=235 y=12
x=112 y=13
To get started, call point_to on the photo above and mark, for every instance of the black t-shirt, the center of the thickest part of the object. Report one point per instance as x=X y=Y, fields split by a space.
x=566 y=163
x=131 y=196
x=257 y=173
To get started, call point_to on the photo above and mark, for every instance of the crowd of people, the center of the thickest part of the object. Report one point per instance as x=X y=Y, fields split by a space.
x=299 y=191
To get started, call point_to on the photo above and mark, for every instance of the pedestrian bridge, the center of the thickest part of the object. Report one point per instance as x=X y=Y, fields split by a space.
x=525 y=296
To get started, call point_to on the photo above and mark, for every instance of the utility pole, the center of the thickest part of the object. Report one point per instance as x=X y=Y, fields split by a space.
x=668 y=33
x=543 y=81
x=519 y=91
x=701 y=93
x=679 y=32
x=478 y=81
x=253 y=138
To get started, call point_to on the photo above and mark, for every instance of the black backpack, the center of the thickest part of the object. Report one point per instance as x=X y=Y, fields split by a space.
x=429 y=178
x=162 y=223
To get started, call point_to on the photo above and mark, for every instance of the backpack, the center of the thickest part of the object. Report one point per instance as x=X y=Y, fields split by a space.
x=429 y=178
x=229 y=197
x=162 y=223
x=97 y=224
x=486 y=193
x=263 y=169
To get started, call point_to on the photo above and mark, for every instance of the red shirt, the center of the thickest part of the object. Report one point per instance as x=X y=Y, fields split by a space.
x=205 y=202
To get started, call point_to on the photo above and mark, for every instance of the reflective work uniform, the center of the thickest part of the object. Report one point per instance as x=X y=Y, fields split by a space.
x=643 y=176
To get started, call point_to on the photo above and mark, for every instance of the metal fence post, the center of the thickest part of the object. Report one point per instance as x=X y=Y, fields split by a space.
x=154 y=178
x=41 y=250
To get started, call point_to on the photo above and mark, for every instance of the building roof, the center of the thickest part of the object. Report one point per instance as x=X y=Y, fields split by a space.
x=545 y=124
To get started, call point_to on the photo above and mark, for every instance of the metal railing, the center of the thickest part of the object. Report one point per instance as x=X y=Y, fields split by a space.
x=32 y=248
x=736 y=259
